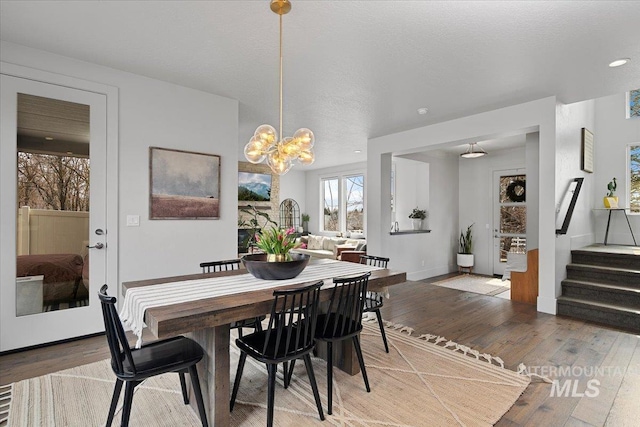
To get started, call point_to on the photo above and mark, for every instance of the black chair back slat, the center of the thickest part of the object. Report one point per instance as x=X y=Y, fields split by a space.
x=218 y=266
x=292 y=322
x=116 y=337
x=344 y=314
x=376 y=261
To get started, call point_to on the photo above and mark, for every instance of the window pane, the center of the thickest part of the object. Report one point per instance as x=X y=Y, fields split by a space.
x=513 y=219
x=354 y=191
x=512 y=244
x=331 y=204
x=512 y=189
x=634 y=178
x=634 y=103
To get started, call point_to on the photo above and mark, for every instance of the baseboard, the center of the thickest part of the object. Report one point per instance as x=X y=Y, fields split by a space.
x=430 y=272
x=547 y=305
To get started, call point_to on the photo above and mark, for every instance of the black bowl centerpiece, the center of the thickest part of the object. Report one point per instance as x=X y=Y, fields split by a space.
x=273 y=267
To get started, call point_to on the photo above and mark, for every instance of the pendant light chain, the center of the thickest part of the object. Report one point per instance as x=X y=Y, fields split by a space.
x=281 y=134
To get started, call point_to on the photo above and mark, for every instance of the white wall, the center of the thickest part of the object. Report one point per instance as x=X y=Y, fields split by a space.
x=156 y=113
x=518 y=119
x=570 y=120
x=293 y=186
x=313 y=203
x=611 y=135
x=476 y=199
x=429 y=182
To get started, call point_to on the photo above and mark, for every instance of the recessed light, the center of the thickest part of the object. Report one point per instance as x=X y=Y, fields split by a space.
x=69 y=152
x=48 y=138
x=357 y=151
x=619 y=62
x=423 y=110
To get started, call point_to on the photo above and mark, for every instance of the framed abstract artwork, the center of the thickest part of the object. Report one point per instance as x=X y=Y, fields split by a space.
x=587 y=151
x=183 y=184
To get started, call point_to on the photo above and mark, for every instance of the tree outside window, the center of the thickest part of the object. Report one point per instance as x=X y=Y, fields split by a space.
x=634 y=103
x=634 y=178
x=343 y=201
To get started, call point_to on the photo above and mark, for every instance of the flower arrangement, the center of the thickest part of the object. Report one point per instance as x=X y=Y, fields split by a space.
x=276 y=241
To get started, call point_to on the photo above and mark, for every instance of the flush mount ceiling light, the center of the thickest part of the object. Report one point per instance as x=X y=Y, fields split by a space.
x=48 y=138
x=357 y=151
x=619 y=62
x=473 y=151
x=422 y=111
x=280 y=153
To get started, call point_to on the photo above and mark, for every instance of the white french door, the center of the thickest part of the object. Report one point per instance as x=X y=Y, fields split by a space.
x=509 y=216
x=33 y=310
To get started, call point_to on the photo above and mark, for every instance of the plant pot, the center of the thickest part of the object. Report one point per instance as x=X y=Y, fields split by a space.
x=259 y=266
x=465 y=260
x=610 y=202
x=305 y=226
x=416 y=223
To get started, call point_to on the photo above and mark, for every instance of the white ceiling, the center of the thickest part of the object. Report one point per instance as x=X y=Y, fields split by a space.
x=353 y=69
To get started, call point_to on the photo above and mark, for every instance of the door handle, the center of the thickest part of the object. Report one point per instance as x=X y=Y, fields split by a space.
x=96 y=246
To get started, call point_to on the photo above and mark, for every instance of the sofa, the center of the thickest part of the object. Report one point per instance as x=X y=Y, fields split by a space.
x=329 y=247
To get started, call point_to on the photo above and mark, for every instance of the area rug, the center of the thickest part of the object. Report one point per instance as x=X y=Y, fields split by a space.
x=423 y=381
x=473 y=283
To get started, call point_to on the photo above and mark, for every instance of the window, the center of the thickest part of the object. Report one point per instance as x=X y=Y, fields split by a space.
x=634 y=104
x=331 y=198
x=343 y=203
x=633 y=177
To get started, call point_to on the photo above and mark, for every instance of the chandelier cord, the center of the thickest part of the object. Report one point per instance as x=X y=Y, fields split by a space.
x=281 y=134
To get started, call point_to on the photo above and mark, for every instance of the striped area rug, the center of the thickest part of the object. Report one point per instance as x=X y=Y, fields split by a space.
x=419 y=383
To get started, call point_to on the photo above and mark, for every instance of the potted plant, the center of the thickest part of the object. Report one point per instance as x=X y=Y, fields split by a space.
x=252 y=225
x=305 y=222
x=417 y=216
x=611 y=200
x=465 y=251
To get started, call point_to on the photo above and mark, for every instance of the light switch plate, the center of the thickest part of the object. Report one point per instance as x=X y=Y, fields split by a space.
x=133 y=220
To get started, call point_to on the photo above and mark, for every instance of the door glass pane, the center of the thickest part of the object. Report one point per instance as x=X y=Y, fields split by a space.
x=354 y=191
x=512 y=189
x=331 y=204
x=513 y=219
x=53 y=205
x=512 y=244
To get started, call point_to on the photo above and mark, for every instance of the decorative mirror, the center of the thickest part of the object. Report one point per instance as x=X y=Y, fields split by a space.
x=289 y=214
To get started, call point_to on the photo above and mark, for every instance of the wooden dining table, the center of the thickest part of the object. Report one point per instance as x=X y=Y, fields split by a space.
x=207 y=322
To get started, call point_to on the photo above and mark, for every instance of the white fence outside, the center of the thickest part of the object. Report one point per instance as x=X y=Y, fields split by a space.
x=42 y=231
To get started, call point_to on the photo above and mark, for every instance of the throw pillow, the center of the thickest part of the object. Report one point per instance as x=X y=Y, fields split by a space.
x=361 y=246
x=330 y=243
x=315 y=242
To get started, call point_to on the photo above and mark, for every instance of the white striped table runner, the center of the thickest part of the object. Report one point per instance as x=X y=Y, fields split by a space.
x=138 y=300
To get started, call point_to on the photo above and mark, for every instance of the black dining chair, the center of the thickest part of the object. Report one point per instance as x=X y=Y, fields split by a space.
x=342 y=320
x=133 y=366
x=288 y=337
x=230 y=265
x=374 y=300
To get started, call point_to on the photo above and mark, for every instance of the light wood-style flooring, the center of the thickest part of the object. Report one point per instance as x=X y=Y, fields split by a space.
x=513 y=331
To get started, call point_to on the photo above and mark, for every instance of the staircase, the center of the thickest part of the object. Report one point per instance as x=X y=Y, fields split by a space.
x=603 y=285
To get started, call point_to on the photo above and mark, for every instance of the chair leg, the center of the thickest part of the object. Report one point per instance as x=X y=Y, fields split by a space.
x=384 y=336
x=183 y=386
x=289 y=373
x=195 y=381
x=329 y=377
x=240 y=332
x=128 y=400
x=314 y=385
x=236 y=383
x=285 y=370
x=356 y=343
x=258 y=324
x=271 y=392
x=114 y=401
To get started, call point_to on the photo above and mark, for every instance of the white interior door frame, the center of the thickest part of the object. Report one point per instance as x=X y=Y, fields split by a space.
x=110 y=115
